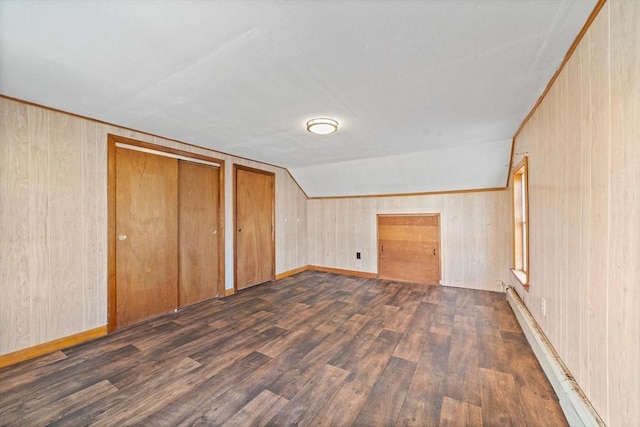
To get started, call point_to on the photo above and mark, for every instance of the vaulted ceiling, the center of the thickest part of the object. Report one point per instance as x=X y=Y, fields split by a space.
x=428 y=94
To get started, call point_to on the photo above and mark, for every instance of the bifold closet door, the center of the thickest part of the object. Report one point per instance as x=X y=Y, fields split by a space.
x=146 y=236
x=198 y=195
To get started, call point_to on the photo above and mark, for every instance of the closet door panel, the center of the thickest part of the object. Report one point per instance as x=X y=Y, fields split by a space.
x=146 y=236
x=198 y=195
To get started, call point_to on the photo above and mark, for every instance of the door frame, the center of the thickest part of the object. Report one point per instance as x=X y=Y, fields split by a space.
x=437 y=214
x=112 y=140
x=237 y=167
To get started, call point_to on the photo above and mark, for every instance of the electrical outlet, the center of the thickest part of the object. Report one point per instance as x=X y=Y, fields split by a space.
x=357 y=255
x=543 y=305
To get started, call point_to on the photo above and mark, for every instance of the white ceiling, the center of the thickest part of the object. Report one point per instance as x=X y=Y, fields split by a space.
x=428 y=93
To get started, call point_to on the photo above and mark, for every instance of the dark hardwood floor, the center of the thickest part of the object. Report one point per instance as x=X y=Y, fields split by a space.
x=312 y=349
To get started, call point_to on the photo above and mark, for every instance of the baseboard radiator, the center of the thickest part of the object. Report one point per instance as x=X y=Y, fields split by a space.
x=574 y=403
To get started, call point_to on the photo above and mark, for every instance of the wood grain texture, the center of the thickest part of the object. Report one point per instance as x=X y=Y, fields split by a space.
x=65 y=218
x=456 y=413
x=39 y=226
x=300 y=351
x=624 y=207
x=147 y=236
x=500 y=403
x=15 y=314
x=92 y=236
x=582 y=144
x=198 y=239
x=412 y=244
x=291 y=224
x=254 y=224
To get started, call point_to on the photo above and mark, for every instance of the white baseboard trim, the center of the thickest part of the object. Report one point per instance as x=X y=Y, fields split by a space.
x=575 y=405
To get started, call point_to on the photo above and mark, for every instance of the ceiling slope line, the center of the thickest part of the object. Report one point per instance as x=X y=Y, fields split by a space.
x=425 y=193
x=568 y=55
x=142 y=132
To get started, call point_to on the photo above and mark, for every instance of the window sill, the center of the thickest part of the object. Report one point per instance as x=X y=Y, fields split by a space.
x=522 y=277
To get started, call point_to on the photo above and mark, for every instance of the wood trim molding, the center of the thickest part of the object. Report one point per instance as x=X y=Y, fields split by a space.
x=427 y=193
x=522 y=276
x=163 y=149
x=111 y=233
x=513 y=148
x=567 y=56
x=51 y=346
x=292 y=272
x=365 y=274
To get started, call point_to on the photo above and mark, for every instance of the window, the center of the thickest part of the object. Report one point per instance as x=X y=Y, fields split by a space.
x=521 y=223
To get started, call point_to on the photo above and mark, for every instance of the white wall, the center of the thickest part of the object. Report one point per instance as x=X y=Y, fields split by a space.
x=583 y=145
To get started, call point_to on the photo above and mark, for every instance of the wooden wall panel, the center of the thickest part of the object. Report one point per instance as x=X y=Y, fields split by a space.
x=574 y=135
x=338 y=228
x=624 y=207
x=291 y=223
x=599 y=145
x=39 y=226
x=584 y=286
x=99 y=311
x=90 y=223
x=15 y=316
x=53 y=222
x=65 y=218
x=584 y=157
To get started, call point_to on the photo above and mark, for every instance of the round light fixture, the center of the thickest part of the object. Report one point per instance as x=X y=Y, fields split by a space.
x=322 y=126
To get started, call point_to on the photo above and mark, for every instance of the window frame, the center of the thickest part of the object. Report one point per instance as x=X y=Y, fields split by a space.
x=521 y=222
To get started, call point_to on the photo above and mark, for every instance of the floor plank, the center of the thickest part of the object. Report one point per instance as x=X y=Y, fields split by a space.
x=310 y=349
x=459 y=414
x=308 y=402
x=383 y=405
x=501 y=404
x=259 y=411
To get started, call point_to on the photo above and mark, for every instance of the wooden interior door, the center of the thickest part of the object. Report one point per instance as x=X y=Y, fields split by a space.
x=146 y=230
x=409 y=248
x=198 y=201
x=254 y=226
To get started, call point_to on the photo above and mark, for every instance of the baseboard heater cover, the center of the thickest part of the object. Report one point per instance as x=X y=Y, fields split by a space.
x=575 y=405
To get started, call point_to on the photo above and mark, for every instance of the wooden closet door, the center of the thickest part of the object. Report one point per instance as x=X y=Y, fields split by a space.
x=146 y=236
x=198 y=194
x=409 y=248
x=254 y=238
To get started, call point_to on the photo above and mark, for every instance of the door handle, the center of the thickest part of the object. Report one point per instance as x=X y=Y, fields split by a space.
x=122 y=237
x=381 y=248
x=434 y=252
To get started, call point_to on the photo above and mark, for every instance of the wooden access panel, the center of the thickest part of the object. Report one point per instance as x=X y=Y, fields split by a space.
x=146 y=230
x=254 y=226
x=198 y=201
x=409 y=248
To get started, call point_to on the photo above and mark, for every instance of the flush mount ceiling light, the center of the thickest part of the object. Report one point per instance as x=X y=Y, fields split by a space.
x=322 y=126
